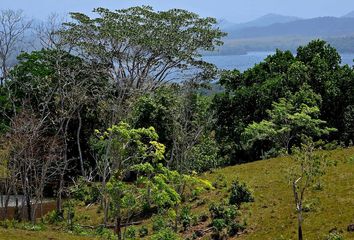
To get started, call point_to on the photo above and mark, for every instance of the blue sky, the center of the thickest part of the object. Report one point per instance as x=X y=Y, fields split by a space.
x=232 y=10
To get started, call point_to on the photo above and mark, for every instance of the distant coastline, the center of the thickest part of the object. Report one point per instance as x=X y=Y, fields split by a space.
x=243 y=62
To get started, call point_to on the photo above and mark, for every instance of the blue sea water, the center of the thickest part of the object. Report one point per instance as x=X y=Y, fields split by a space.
x=244 y=62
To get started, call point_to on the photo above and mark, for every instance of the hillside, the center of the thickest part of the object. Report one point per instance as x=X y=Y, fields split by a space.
x=317 y=27
x=272 y=31
x=272 y=214
x=262 y=21
x=349 y=15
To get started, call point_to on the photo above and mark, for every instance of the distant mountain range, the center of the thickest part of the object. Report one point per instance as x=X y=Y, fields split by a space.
x=316 y=27
x=263 y=21
x=349 y=15
x=287 y=32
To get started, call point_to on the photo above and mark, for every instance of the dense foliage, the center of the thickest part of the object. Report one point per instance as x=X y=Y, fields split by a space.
x=114 y=112
x=314 y=76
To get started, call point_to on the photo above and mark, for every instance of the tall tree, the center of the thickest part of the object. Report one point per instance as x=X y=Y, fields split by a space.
x=140 y=49
x=288 y=120
x=13 y=26
x=309 y=167
x=250 y=94
x=181 y=117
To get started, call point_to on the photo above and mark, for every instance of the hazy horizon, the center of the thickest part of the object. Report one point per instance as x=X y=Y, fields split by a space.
x=233 y=11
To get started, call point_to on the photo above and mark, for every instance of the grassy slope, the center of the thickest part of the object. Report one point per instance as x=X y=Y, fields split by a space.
x=17 y=234
x=272 y=214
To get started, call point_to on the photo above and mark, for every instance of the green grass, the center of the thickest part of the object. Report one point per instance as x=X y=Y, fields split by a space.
x=272 y=215
x=18 y=234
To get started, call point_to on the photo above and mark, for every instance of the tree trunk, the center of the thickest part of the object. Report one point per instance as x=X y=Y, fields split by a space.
x=299 y=219
x=118 y=228
x=78 y=143
x=29 y=207
x=17 y=211
x=2 y=205
x=63 y=171
x=298 y=204
x=6 y=207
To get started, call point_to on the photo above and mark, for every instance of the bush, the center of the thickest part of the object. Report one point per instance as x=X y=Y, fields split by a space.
x=235 y=228
x=334 y=236
x=143 y=231
x=53 y=217
x=131 y=233
x=185 y=218
x=105 y=233
x=220 y=182
x=84 y=191
x=9 y=223
x=194 y=220
x=351 y=160
x=310 y=205
x=158 y=223
x=219 y=224
x=239 y=193
x=204 y=155
x=165 y=234
x=228 y=213
x=203 y=217
x=224 y=221
x=33 y=227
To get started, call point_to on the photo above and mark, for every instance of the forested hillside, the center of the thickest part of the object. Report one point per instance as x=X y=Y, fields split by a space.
x=106 y=133
x=273 y=31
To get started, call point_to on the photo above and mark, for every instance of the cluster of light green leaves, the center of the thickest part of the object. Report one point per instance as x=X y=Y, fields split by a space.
x=288 y=120
x=137 y=150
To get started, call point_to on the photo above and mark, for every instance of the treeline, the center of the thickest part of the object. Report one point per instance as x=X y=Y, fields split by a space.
x=118 y=98
x=267 y=108
x=117 y=70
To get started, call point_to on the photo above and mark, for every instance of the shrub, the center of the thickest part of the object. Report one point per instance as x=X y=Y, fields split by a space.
x=334 y=236
x=33 y=227
x=239 y=193
x=165 y=234
x=158 y=223
x=234 y=228
x=310 y=205
x=351 y=160
x=203 y=217
x=204 y=155
x=185 y=218
x=84 y=191
x=224 y=220
x=194 y=220
x=220 y=211
x=220 y=182
x=131 y=233
x=9 y=223
x=105 y=233
x=219 y=224
x=143 y=231
x=53 y=217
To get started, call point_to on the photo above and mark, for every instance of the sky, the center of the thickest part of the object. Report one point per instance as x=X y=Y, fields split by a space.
x=232 y=10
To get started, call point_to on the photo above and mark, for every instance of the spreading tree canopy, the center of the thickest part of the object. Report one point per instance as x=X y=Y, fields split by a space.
x=141 y=48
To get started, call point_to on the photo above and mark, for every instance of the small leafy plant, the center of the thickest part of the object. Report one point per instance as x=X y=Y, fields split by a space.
x=240 y=193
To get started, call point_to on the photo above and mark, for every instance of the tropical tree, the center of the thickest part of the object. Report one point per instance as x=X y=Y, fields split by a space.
x=248 y=95
x=309 y=167
x=288 y=120
x=181 y=117
x=120 y=148
x=140 y=49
